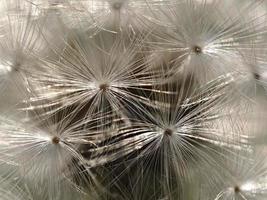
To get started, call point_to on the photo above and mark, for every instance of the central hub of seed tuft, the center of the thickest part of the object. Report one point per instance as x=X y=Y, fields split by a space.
x=256 y=76
x=16 y=66
x=168 y=132
x=55 y=140
x=236 y=189
x=117 y=5
x=197 y=49
x=103 y=87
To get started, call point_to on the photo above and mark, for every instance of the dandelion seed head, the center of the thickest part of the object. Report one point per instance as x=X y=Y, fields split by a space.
x=167 y=130
x=195 y=31
x=46 y=153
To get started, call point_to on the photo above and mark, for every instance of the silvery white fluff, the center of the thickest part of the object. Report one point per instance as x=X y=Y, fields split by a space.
x=18 y=40
x=175 y=135
x=209 y=39
x=133 y=99
x=98 y=75
x=244 y=178
x=131 y=16
x=45 y=151
x=9 y=191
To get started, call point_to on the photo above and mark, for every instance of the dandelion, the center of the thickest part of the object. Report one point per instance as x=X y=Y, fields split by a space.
x=208 y=39
x=132 y=16
x=244 y=178
x=19 y=41
x=133 y=99
x=47 y=152
x=95 y=80
x=178 y=132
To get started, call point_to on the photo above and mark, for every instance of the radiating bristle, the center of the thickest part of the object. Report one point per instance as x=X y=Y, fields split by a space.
x=133 y=99
x=47 y=152
x=95 y=80
x=207 y=38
